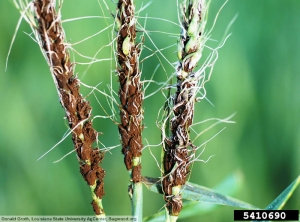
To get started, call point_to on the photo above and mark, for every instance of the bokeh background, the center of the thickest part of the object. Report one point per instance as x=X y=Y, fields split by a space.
x=257 y=76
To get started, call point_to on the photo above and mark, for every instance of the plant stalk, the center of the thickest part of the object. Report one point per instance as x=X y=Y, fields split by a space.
x=137 y=201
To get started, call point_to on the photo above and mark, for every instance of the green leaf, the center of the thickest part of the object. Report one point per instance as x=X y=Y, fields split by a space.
x=196 y=192
x=280 y=201
x=206 y=199
x=229 y=186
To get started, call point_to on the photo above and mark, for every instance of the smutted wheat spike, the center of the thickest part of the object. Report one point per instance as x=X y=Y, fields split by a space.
x=178 y=148
x=131 y=98
x=78 y=110
x=130 y=93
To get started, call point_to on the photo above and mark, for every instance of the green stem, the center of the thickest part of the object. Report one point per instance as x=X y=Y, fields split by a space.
x=137 y=201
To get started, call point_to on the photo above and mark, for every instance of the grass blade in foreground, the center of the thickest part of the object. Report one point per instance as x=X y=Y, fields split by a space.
x=229 y=186
x=199 y=193
x=281 y=200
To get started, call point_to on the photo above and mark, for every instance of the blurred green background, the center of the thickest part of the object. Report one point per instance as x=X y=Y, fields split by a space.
x=256 y=76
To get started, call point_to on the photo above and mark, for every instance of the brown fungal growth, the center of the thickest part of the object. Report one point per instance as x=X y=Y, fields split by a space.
x=130 y=92
x=178 y=148
x=78 y=110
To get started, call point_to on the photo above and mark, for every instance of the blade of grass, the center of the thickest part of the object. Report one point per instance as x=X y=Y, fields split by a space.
x=281 y=200
x=200 y=193
x=229 y=186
